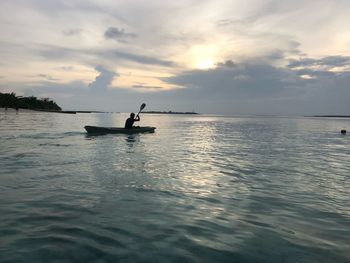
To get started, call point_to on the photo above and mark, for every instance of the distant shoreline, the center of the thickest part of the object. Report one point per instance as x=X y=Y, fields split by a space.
x=168 y=112
x=69 y=111
x=329 y=116
x=171 y=112
x=54 y=111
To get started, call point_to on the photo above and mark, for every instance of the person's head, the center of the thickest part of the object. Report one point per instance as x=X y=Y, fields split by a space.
x=132 y=115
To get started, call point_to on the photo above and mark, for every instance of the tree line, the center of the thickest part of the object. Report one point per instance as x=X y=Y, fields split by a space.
x=10 y=100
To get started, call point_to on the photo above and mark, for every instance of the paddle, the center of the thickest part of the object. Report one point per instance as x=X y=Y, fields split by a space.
x=143 y=105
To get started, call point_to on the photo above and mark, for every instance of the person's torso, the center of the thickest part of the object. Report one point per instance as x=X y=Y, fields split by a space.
x=129 y=123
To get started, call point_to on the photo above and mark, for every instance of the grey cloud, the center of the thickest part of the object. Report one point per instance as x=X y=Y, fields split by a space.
x=140 y=86
x=336 y=61
x=117 y=34
x=43 y=77
x=266 y=9
x=56 y=52
x=66 y=68
x=330 y=61
x=316 y=73
x=228 y=22
x=243 y=89
x=59 y=7
x=71 y=32
x=262 y=88
x=275 y=55
x=143 y=59
x=62 y=53
x=291 y=48
x=227 y=63
x=47 y=77
x=102 y=81
x=242 y=80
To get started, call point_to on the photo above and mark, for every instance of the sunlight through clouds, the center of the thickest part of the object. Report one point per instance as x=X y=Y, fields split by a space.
x=203 y=56
x=168 y=49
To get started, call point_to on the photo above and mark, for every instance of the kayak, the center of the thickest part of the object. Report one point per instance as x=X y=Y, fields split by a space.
x=104 y=130
x=95 y=129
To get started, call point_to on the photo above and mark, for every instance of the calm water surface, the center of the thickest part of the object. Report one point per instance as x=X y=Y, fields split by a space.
x=200 y=189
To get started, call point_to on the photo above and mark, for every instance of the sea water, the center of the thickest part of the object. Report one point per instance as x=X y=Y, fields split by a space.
x=199 y=189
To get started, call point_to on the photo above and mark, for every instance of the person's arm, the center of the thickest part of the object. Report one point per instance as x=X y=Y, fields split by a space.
x=137 y=118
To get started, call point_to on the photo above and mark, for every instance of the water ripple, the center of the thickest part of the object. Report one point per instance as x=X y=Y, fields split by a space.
x=200 y=189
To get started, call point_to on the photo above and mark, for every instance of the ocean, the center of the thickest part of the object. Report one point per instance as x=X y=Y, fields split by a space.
x=202 y=188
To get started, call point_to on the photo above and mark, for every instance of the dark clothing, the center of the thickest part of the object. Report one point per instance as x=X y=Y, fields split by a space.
x=130 y=122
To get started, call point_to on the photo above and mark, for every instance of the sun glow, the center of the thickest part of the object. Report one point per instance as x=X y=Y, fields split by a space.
x=142 y=80
x=202 y=56
x=205 y=63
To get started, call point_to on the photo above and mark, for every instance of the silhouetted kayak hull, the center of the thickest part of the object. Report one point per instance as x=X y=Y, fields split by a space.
x=105 y=130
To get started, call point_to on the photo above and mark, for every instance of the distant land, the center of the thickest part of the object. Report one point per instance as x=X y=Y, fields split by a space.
x=69 y=111
x=10 y=100
x=170 y=112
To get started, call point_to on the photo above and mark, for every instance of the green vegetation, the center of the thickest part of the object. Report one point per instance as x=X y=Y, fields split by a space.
x=10 y=100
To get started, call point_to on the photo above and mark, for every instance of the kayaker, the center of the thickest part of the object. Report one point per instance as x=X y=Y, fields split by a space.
x=130 y=121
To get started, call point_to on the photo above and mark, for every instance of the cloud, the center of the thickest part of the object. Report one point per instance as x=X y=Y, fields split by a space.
x=238 y=88
x=89 y=56
x=259 y=87
x=57 y=52
x=141 y=86
x=71 y=32
x=235 y=81
x=312 y=73
x=321 y=67
x=329 y=62
x=66 y=68
x=143 y=59
x=102 y=81
x=46 y=77
x=117 y=34
x=227 y=63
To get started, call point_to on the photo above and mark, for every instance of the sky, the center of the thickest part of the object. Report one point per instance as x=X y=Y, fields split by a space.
x=289 y=57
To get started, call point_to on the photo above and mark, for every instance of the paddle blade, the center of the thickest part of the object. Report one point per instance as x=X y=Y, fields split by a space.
x=142 y=106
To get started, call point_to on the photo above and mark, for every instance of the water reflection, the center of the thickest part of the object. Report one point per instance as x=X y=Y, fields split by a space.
x=130 y=138
x=205 y=187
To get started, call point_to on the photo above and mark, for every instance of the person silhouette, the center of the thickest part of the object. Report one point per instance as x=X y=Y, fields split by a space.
x=130 y=121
